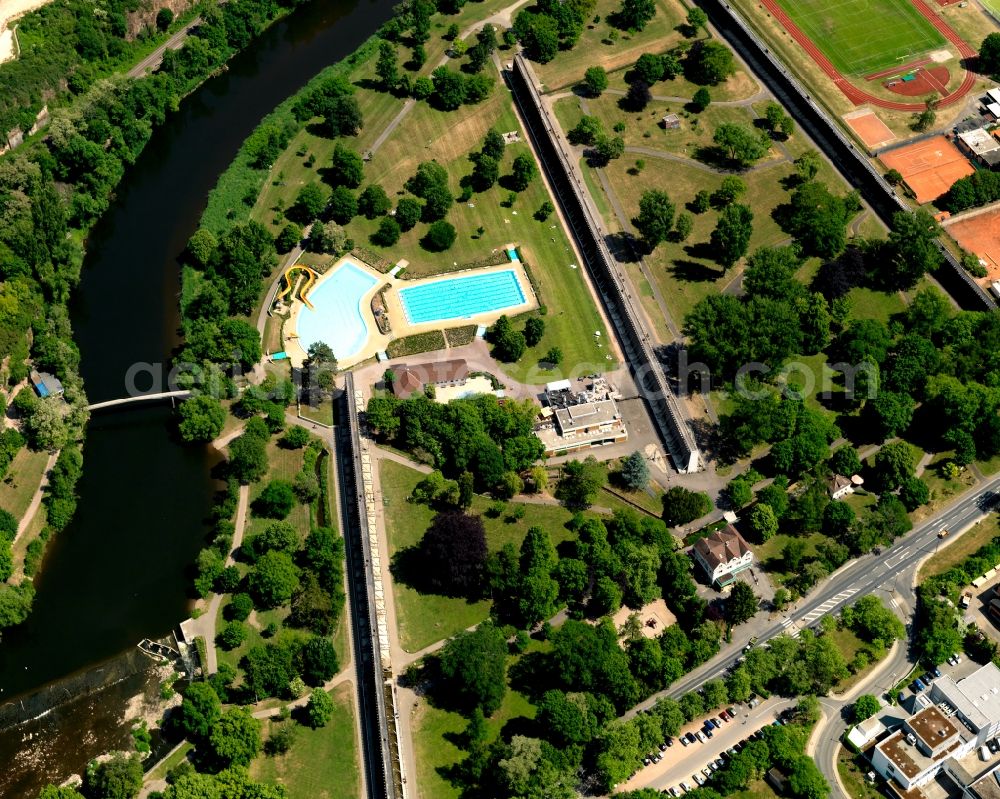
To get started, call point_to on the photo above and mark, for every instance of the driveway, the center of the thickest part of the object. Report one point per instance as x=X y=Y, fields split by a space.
x=683 y=762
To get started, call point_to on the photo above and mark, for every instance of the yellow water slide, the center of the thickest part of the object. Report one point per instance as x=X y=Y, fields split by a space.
x=303 y=291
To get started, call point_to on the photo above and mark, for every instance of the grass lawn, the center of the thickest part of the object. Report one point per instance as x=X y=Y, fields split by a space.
x=283 y=464
x=685 y=272
x=942 y=489
x=434 y=741
x=853 y=777
x=175 y=759
x=322 y=763
x=602 y=45
x=844 y=32
x=960 y=548
x=22 y=480
x=758 y=789
x=870 y=304
x=426 y=618
x=770 y=558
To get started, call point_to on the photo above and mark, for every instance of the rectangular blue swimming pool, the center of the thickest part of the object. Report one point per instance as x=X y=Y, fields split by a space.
x=461 y=297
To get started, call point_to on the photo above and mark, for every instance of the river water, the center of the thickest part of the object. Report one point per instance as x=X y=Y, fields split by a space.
x=120 y=571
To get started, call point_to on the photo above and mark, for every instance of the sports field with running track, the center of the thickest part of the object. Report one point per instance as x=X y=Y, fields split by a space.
x=864 y=36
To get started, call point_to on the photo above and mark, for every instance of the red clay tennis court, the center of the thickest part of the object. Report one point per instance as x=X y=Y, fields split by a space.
x=980 y=234
x=869 y=128
x=929 y=167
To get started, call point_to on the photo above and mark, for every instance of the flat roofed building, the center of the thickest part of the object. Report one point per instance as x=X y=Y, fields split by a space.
x=915 y=754
x=573 y=421
x=47 y=385
x=981 y=146
x=975 y=698
x=723 y=554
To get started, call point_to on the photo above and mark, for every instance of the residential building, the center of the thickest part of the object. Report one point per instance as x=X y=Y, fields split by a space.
x=840 y=486
x=410 y=380
x=571 y=421
x=723 y=555
x=671 y=122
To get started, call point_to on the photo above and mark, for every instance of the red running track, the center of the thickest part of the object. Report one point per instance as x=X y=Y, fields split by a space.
x=860 y=97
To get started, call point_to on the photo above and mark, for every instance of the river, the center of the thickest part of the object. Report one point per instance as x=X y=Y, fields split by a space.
x=120 y=571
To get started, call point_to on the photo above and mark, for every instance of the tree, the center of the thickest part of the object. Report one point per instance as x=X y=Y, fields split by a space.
x=579 y=482
x=864 y=707
x=319 y=661
x=635 y=471
x=485 y=172
x=635 y=14
x=740 y=143
x=117 y=778
x=656 y=216
x=235 y=739
x=534 y=329
x=508 y=344
x=637 y=97
x=838 y=517
x=683 y=226
x=454 y=551
x=538 y=592
x=52 y=792
x=407 y=213
x=595 y=79
x=649 y=68
x=202 y=246
x=46 y=427
x=739 y=492
x=701 y=99
x=386 y=67
x=891 y=412
x=199 y=711
x=741 y=604
x=538 y=34
x=449 y=88
x=439 y=237
x=373 y=201
x=275 y=501
x=346 y=167
x=807 y=165
x=845 y=461
x=320 y=708
x=710 y=63
x=924 y=120
x=697 y=19
x=473 y=665
x=248 y=458
x=586 y=131
x=763 y=522
x=818 y=219
x=807 y=781
x=344 y=116
x=388 y=232
x=608 y=148
x=164 y=18
x=681 y=506
x=731 y=236
x=912 y=245
x=893 y=464
x=913 y=493
x=273 y=580
x=309 y=204
x=201 y=418
x=523 y=171
x=288 y=238
x=343 y=205
x=989 y=55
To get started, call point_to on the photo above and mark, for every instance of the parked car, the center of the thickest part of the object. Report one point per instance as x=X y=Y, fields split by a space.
x=673 y=791
x=669 y=742
x=685 y=787
x=731 y=711
x=716 y=722
x=937 y=672
x=707 y=772
x=708 y=732
x=700 y=736
x=719 y=762
x=732 y=750
x=993 y=745
x=724 y=715
x=918 y=686
x=965 y=600
x=712 y=765
x=683 y=740
x=699 y=779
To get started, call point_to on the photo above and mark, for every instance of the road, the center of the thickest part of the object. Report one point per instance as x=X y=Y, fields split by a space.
x=868 y=574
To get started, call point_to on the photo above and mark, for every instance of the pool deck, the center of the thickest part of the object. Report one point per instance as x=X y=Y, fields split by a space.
x=401 y=327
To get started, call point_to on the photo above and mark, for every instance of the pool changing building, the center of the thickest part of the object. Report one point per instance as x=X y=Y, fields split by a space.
x=941 y=740
x=571 y=420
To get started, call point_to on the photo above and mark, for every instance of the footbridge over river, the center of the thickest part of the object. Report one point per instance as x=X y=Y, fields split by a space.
x=162 y=395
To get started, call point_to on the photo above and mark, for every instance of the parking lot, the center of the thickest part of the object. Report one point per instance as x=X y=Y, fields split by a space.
x=681 y=763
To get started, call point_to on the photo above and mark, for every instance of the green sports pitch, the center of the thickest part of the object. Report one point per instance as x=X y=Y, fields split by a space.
x=864 y=36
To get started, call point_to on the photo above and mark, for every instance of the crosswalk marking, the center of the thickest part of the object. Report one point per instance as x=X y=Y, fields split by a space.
x=829 y=605
x=790 y=627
